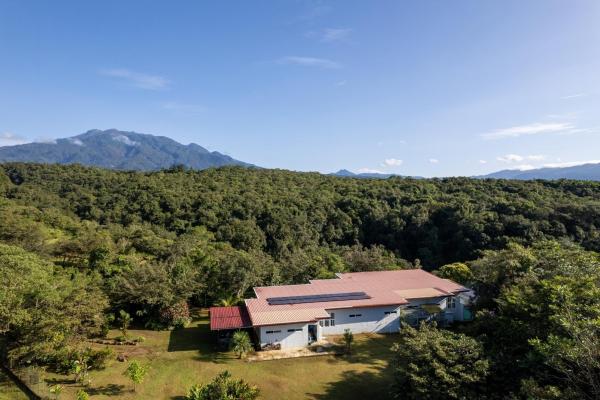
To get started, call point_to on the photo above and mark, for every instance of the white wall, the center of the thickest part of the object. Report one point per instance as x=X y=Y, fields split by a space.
x=372 y=319
x=284 y=337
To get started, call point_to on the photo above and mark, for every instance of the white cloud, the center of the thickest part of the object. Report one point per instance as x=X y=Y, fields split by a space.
x=511 y=158
x=341 y=83
x=125 y=139
x=10 y=139
x=369 y=171
x=434 y=160
x=309 y=62
x=391 y=162
x=573 y=96
x=524 y=167
x=536 y=157
x=530 y=129
x=142 y=81
x=76 y=141
x=330 y=35
x=482 y=161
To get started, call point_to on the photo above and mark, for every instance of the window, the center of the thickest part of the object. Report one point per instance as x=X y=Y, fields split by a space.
x=355 y=315
x=295 y=330
x=271 y=332
x=390 y=312
x=452 y=302
x=328 y=322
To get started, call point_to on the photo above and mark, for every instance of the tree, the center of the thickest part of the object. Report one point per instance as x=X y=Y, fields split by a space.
x=457 y=272
x=44 y=310
x=136 y=372
x=224 y=387
x=432 y=364
x=348 y=340
x=124 y=321
x=241 y=343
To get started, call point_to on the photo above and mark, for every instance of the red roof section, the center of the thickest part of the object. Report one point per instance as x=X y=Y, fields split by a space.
x=234 y=317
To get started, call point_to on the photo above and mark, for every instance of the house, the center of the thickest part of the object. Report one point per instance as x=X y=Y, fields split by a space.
x=298 y=315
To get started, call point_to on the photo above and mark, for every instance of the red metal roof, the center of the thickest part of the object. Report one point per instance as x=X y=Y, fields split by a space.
x=234 y=317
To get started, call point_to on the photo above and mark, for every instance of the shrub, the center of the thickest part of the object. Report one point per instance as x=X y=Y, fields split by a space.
x=224 y=387
x=177 y=315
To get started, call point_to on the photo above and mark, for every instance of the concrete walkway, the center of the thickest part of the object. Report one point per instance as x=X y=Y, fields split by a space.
x=316 y=349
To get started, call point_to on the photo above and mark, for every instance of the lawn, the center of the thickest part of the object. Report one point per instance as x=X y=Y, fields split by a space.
x=181 y=358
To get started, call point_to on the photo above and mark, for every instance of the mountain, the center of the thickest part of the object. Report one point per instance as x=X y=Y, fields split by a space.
x=118 y=150
x=344 y=173
x=589 y=172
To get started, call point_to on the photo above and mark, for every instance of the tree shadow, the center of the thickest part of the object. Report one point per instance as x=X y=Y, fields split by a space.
x=111 y=389
x=357 y=385
x=198 y=337
x=372 y=384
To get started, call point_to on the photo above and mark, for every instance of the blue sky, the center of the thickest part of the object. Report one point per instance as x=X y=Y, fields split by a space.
x=431 y=88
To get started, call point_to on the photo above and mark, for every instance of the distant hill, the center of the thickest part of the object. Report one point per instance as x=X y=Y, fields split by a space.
x=344 y=173
x=121 y=150
x=589 y=172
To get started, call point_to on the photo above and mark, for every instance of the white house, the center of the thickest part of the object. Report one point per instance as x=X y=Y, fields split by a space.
x=298 y=315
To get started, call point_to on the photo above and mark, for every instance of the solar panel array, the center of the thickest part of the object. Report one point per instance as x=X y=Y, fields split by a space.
x=316 y=298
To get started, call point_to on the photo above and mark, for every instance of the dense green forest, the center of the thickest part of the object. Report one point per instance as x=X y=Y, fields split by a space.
x=82 y=249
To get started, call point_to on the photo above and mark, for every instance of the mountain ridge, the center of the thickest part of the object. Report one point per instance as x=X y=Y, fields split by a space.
x=121 y=150
x=588 y=172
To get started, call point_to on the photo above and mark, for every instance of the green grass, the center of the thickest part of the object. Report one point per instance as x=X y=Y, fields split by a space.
x=181 y=358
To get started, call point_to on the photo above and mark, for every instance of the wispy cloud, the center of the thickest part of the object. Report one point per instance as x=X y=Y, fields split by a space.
x=309 y=62
x=391 y=162
x=434 y=160
x=341 y=83
x=137 y=79
x=482 y=161
x=330 y=35
x=574 y=96
x=511 y=158
x=537 y=128
x=10 y=139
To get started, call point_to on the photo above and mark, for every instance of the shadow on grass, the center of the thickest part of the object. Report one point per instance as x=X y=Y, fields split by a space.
x=107 y=390
x=358 y=385
x=373 y=384
x=197 y=337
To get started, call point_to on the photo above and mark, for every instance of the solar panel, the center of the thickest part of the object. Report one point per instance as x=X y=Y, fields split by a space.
x=316 y=298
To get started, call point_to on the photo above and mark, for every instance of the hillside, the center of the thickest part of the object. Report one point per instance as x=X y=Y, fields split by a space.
x=116 y=149
x=588 y=172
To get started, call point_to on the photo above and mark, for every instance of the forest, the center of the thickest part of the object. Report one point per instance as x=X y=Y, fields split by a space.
x=82 y=247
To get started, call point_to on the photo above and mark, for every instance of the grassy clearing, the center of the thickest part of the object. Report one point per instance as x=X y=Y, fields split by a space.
x=181 y=358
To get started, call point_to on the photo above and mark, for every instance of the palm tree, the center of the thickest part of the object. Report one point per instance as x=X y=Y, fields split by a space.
x=241 y=343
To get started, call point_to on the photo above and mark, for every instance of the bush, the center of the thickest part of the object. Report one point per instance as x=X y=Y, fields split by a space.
x=224 y=387
x=177 y=315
